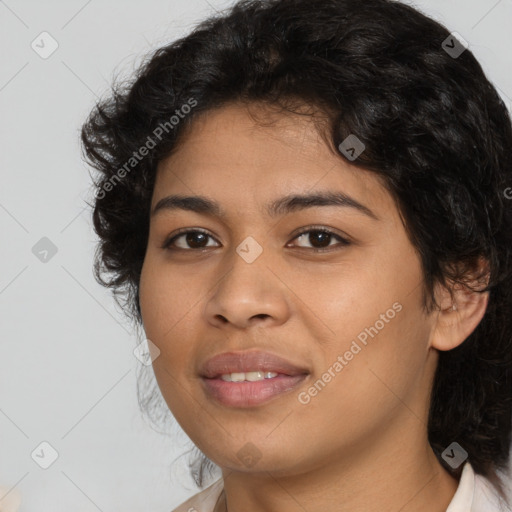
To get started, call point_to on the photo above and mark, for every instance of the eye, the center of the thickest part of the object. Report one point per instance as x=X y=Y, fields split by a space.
x=320 y=238
x=188 y=240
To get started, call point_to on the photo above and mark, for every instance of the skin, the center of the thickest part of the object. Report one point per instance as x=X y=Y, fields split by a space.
x=361 y=443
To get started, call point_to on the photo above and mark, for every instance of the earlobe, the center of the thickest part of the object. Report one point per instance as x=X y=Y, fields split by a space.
x=458 y=316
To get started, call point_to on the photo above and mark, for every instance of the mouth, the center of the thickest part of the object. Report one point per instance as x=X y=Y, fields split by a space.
x=247 y=379
x=249 y=394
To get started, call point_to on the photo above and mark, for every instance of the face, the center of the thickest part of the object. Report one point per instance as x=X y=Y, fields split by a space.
x=333 y=287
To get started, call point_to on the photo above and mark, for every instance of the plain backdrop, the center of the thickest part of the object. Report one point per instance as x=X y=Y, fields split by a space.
x=67 y=368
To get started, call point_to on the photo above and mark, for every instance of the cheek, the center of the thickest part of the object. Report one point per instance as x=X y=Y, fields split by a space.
x=165 y=305
x=372 y=371
x=340 y=301
x=371 y=316
x=165 y=300
x=165 y=308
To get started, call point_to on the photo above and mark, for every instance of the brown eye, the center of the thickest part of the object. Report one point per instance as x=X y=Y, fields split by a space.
x=320 y=239
x=188 y=240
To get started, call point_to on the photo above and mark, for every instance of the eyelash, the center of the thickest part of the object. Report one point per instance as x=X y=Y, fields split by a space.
x=310 y=229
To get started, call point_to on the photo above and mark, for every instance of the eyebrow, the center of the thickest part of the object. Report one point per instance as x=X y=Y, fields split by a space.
x=281 y=206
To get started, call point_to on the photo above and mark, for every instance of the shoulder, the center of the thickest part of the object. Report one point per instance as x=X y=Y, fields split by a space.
x=203 y=501
x=476 y=494
x=10 y=499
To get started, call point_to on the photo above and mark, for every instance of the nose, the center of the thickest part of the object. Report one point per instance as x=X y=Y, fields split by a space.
x=248 y=294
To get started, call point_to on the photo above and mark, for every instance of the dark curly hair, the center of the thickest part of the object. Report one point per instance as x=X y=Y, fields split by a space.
x=435 y=131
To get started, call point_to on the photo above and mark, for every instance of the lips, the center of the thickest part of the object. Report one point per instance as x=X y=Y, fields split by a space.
x=238 y=362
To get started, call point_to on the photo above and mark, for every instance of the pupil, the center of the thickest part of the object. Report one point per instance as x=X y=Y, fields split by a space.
x=321 y=236
x=192 y=238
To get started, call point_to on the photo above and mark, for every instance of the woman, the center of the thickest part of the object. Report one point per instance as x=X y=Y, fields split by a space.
x=304 y=203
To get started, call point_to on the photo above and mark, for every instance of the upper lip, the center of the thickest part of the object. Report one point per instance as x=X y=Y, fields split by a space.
x=241 y=362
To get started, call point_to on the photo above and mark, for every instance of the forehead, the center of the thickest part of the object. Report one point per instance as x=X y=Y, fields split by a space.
x=248 y=155
x=243 y=134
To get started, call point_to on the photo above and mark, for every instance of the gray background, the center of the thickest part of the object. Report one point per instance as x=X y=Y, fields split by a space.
x=67 y=368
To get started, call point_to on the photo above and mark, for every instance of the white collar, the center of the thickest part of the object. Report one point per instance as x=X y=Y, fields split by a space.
x=475 y=494
x=462 y=500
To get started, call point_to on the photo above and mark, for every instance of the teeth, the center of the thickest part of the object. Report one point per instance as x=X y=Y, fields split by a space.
x=250 y=376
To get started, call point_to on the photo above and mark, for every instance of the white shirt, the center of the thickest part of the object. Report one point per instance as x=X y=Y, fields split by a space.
x=474 y=494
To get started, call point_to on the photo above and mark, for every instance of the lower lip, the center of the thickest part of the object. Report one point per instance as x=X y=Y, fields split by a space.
x=249 y=394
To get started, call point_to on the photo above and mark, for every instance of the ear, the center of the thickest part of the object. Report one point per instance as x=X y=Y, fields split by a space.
x=461 y=308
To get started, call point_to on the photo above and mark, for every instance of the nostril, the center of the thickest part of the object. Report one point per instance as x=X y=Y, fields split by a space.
x=261 y=315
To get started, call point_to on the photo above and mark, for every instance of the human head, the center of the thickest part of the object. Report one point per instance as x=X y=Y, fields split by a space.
x=434 y=129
